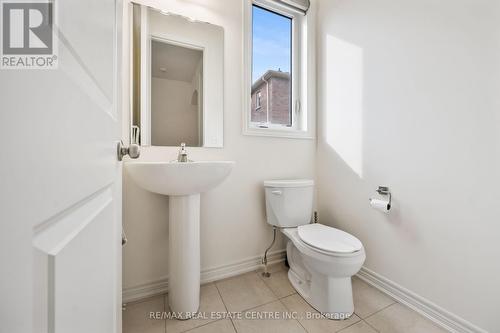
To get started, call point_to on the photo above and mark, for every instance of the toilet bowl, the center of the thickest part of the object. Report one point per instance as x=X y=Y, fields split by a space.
x=322 y=259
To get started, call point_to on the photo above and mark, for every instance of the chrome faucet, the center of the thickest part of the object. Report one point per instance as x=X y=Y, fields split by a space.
x=183 y=155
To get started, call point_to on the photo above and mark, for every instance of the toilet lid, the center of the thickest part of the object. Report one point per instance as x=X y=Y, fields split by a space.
x=328 y=239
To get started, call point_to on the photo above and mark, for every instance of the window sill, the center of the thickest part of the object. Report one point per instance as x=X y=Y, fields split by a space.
x=277 y=133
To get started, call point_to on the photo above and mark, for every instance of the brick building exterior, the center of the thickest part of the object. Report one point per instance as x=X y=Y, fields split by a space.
x=271 y=91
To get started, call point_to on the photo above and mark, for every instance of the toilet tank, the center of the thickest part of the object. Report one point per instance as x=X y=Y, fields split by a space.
x=289 y=203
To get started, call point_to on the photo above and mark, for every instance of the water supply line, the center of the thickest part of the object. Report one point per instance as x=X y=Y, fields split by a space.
x=264 y=259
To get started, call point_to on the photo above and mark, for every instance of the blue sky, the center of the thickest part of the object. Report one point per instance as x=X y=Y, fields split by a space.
x=271 y=42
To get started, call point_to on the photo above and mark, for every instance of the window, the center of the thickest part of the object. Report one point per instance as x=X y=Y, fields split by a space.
x=276 y=65
x=272 y=65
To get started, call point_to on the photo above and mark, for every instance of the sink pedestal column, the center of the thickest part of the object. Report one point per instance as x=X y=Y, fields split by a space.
x=184 y=255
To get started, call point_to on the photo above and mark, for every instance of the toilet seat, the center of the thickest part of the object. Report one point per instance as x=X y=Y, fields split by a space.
x=328 y=239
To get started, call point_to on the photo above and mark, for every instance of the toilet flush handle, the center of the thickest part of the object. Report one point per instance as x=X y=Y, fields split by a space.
x=277 y=192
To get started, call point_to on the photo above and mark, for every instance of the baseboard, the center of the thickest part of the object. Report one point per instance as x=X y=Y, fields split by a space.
x=426 y=308
x=160 y=286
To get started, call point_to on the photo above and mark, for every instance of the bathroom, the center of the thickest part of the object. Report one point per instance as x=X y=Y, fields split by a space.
x=392 y=145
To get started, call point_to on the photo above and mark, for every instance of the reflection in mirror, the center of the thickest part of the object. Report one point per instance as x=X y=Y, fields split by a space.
x=173 y=58
x=176 y=111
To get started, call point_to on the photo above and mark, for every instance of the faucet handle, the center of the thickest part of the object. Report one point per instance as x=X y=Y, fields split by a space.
x=182 y=157
x=183 y=149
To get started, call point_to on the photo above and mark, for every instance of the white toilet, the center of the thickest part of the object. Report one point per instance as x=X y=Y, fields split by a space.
x=322 y=259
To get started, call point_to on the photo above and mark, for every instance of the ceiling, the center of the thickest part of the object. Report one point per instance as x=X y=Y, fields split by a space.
x=179 y=63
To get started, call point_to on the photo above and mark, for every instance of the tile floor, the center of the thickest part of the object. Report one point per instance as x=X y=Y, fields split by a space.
x=252 y=294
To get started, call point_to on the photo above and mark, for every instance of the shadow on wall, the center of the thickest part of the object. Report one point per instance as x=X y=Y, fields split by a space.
x=342 y=133
x=145 y=221
x=408 y=98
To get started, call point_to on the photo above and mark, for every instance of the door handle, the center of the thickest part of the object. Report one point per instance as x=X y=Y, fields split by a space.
x=133 y=151
x=277 y=192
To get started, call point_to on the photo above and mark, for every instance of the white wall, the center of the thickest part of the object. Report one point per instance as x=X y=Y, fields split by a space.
x=233 y=225
x=173 y=118
x=409 y=97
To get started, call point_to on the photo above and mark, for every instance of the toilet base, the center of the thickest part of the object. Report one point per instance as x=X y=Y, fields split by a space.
x=330 y=294
x=338 y=306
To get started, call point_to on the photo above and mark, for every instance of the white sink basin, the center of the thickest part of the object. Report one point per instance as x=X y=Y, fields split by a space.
x=174 y=178
x=183 y=182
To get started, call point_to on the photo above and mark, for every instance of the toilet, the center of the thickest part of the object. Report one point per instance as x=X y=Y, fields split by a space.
x=322 y=259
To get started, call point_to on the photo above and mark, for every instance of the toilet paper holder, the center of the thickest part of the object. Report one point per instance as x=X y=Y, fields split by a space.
x=384 y=190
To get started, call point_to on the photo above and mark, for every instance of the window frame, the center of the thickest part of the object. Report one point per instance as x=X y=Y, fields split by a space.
x=302 y=74
x=258 y=100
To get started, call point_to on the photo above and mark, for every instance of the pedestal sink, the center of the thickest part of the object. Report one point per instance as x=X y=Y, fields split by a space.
x=183 y=183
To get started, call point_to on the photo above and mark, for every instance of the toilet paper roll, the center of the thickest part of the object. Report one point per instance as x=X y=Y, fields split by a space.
x=382 y=205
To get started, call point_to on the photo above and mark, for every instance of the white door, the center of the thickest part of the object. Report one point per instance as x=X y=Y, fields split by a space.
x=60 y=185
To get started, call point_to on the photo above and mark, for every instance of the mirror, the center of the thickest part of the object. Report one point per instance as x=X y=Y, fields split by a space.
x=176 y=108
x=177 y=80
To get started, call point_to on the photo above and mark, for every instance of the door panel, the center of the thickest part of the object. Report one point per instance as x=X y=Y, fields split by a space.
x=63 y=129
x=75 y=250
x=95 y=53
x=82 y=275
x=60 y=192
